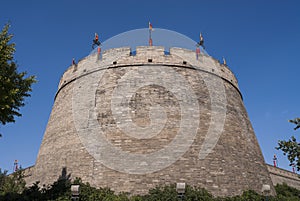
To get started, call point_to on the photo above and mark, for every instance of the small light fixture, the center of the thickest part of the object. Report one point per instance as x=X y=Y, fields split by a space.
x=266 y=189
x=180 y=189
x=75 y=191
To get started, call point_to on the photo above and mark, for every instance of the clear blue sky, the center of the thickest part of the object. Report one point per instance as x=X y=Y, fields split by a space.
x=260 y=40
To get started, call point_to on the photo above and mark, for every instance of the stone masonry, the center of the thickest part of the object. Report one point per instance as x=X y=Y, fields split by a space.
x=280 y=176
x=113 y=130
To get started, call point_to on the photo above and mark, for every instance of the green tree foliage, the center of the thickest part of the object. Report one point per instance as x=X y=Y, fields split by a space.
x=291 y=148
x=161 y=193
x=12 y=188
x=89 y=193
x=14 y=86
x=297 y=122
x=285 y=192
x=12 y=185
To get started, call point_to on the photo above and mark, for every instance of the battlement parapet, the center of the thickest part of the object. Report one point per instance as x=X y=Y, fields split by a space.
x=148 y=55
x=280 y=176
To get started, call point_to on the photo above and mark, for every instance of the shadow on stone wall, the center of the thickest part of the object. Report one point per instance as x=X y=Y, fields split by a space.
x=59 y=187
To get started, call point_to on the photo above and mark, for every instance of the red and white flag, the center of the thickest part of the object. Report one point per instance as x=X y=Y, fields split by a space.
x=150 y=26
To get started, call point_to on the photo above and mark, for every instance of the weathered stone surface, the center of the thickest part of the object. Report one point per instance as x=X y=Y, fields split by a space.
x=280 y=176
x=229 y=162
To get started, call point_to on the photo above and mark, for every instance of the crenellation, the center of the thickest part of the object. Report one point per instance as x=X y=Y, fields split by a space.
x=116 y=52
x=146 y=55
x=150 y=51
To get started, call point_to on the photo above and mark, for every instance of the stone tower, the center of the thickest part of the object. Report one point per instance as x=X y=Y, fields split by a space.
x=134 y=120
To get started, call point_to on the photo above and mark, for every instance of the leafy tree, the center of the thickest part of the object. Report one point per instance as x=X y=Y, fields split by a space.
x=286 y=191
x=14 y=86
x=297 y=122
x=12 y=184
x=291 y=148
x=162 y=193
x=194 y=193
x=32 y=193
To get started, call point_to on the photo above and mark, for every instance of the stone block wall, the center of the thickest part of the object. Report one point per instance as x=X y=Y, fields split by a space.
x=280 y=176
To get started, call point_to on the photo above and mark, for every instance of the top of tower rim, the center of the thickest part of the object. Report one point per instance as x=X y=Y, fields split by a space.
x=148 y=55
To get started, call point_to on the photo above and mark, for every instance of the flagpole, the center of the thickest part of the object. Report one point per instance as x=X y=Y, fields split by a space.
x=150 y=38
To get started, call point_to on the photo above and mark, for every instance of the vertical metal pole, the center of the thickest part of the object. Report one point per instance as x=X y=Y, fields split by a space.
x=150 y=38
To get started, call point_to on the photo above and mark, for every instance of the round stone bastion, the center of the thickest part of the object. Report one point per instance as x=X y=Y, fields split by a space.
x=133 y=120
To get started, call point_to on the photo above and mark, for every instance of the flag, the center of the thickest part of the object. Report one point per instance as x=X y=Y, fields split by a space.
x=224 y=61
x=201 y=42
x=150 y=26
x=275 y=161
x=197 y=53
x=150 y=31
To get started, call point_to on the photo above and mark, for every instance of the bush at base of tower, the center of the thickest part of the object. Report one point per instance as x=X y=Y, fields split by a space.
x=61 y=191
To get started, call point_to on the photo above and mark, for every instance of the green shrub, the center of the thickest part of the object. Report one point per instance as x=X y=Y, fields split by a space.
x=12 y=188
